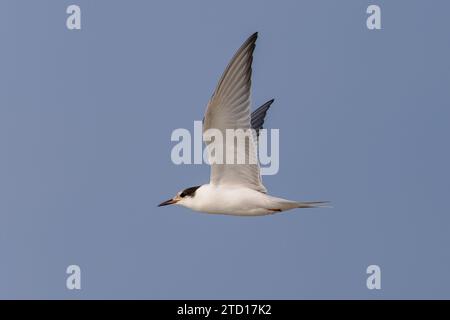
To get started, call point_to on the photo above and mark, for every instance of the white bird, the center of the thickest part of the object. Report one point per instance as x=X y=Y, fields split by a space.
x=236 y=189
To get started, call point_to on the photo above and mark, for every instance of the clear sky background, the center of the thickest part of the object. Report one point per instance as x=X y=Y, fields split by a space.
x=85 y=124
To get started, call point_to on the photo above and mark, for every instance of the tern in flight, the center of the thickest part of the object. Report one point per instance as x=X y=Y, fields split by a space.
x=236 y=189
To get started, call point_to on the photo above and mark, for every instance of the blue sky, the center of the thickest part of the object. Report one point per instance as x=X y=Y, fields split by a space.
x=85 y=124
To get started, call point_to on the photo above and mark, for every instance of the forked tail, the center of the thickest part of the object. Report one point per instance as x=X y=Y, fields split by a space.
x=313 y=204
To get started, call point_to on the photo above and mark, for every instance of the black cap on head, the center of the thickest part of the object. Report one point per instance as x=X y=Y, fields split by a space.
x=189 y=192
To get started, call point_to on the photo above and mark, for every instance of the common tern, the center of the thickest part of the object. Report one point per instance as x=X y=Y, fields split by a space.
x=236 y=189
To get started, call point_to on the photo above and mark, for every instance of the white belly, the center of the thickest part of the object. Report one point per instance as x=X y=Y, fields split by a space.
x=232 y=201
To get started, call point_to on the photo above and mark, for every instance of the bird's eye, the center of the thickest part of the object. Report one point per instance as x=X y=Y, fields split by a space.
x=182 y=194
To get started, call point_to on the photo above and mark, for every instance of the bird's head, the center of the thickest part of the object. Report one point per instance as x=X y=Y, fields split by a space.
x=182 y=197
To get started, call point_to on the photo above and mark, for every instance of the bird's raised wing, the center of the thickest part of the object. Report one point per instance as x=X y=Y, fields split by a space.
x=257 y=116
x=229 y=108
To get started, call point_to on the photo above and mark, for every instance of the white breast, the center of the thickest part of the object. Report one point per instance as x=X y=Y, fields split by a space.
x=232 y=200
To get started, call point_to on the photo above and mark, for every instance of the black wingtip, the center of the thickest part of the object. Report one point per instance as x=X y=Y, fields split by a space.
x=267 y=105
x=254 y=36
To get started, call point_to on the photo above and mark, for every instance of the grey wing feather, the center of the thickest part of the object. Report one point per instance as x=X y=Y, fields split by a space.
x=229 y=108
x=257 y=116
